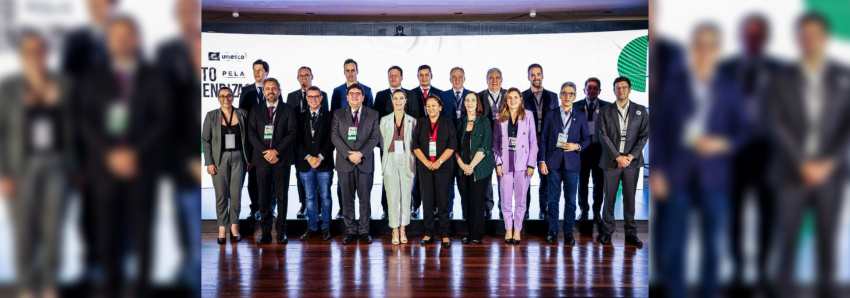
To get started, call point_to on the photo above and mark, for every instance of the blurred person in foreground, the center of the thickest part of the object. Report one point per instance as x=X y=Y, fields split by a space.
x=123 y=117
x=179 y=63
x=696 y=139
x=752 y=69
x=85 y=47
x=810 y=117
x=35 y=163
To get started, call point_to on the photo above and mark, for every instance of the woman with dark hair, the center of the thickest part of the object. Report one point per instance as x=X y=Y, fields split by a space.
x=433 y=144
x=475 y=165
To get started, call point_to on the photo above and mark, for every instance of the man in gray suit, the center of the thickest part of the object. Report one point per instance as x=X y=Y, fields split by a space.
x=355 y=132
x=623 y=131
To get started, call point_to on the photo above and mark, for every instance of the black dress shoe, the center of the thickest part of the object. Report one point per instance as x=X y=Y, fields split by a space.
x=301 y=213
x=366 y=238
x=509 y=240
x=338 y=215
x=426 y=242
x=447 y=244
x=465 y=240
x=281 y=238
x=235 y=238
x=605 y=239
x=597 y=218
x=633 y=239
x=552 y=237
x=384 y=216
x=474 y=242
x=326 y=234
x=264 y=239
x=221 y=240
x=581 y=216
x=308 y=234
x=488 y=215
x=348 y=239
x=568 y=239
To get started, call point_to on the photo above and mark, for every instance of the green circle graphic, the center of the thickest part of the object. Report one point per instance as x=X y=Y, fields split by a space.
x=632 y=63
x=835 y=12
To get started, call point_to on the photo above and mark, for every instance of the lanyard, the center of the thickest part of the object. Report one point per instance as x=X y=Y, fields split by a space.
x=399 y=127
x=538 y=101
x=228 y=120
x=595 y=107
x=497 y=99
x=434 y=129
x=569 y=117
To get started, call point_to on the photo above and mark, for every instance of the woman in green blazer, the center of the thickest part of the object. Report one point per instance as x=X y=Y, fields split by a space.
x=475 y=165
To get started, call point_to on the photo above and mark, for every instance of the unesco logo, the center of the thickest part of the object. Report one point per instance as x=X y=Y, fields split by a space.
x=214 y=56
x=226 y=56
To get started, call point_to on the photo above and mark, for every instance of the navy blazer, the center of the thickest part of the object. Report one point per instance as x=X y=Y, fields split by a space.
x=339 y=99
x=549 y=152
x=726 y=118
x=549 y=100
x=450 y=105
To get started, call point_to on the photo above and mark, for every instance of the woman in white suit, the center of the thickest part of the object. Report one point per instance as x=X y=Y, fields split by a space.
x=397 y=164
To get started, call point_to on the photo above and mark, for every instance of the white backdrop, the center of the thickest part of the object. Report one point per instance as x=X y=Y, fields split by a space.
x=564 y=57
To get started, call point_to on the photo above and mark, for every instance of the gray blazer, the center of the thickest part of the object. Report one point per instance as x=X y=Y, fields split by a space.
x=387 y=131
x=211 y=136
x=608 y=131
x=368 y=136
x=13 y=123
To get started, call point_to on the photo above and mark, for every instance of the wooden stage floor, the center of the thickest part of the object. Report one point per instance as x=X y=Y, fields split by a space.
x=317 y=268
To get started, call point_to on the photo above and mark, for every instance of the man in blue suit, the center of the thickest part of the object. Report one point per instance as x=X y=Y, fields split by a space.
x=564 y=135
x=453 y=107
x=339 y=99
x=539 y=101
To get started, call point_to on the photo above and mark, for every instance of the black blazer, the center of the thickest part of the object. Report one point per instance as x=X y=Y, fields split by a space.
x=249 y=97
x=548 y=99
x=307 y=144
x=384 y=103
x=487 y=106
x=295 y=100
x=283 y=137
x=446 y=139
x=419 y=99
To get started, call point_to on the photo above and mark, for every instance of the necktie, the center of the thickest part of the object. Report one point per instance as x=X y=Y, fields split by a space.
x=314 y=118
x=259 y=95
x=457 y=95
x=271 y=118
x=424 y=93
x=356 y=120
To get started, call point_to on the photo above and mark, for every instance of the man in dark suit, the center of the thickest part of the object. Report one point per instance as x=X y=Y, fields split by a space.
x=251 y=95
x=539 y=101
x=453 y=107
x=86 y=47
x=565 y=134
x=271 y=130
x=339 y=98
x=314 y=162
x=809 y=114
x=355 y=132
x=384 y=106
x=590 y=107
x=492 y=99
x=298 y=100
x=752 y=69
x=623 y=131
x=420 y=93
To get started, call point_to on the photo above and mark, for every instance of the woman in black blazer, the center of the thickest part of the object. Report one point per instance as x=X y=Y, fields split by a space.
x=434 y=143
x=226 y=161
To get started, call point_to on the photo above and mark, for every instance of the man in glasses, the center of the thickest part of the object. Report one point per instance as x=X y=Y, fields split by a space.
x=298 y=100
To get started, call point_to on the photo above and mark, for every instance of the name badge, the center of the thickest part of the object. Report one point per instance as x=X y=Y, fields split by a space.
x=432 y=149
x=512 y=147
x=592 y=127
x=268 y=132
x=230 y=141
x=352 y=134
x=42 y=134
x=117 y=118
x=562 y=138
x=398 y=146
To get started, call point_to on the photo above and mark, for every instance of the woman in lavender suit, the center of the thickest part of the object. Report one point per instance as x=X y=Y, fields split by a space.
x=515 y=149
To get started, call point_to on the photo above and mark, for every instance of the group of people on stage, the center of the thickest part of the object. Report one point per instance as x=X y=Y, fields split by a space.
x=429 y=140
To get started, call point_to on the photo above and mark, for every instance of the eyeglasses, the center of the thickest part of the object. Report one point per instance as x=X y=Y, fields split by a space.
x=314 y=96
x=395 y=76
x=570 y=94
x=622 y=88
x=225 y=96
x=354 y=94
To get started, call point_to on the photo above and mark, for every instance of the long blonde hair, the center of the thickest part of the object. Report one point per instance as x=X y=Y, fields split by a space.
x=505 y=112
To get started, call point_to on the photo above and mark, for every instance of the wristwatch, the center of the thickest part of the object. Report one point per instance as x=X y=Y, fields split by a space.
x=441 y=162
